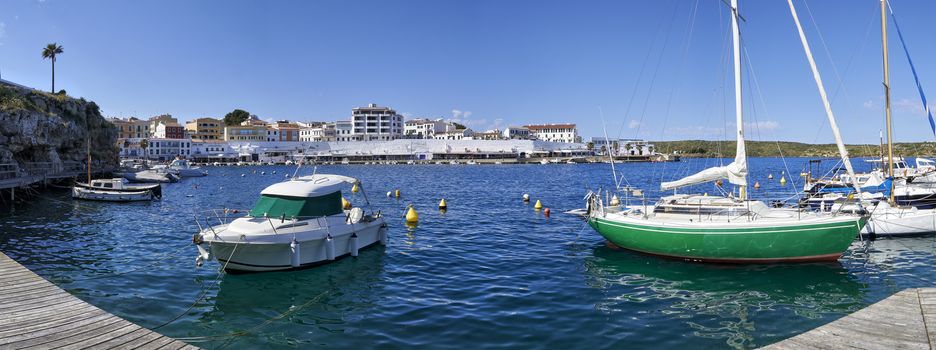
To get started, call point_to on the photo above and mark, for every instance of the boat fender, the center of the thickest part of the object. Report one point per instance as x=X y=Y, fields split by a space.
x=382 y=233
x=294 y=248
x=353 y=244
x=329 y=248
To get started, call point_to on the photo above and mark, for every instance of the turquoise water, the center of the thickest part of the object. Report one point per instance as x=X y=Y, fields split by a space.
x=490 y=272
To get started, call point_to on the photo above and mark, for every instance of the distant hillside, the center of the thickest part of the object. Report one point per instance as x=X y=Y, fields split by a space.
x=700 y=148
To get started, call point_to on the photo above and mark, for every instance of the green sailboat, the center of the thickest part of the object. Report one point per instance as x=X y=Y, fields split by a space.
x=728 y=228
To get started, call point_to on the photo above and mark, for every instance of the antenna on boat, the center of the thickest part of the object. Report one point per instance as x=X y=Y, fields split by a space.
x=608 y=147
x=887 y=102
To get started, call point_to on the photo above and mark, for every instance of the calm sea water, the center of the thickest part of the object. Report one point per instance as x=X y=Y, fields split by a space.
x=490 y=272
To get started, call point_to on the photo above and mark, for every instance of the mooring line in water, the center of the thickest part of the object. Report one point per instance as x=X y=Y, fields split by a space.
x=230 y=336
x=204 y=291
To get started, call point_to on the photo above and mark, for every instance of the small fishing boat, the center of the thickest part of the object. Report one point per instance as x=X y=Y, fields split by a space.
x=115 y=190
x=295 y=224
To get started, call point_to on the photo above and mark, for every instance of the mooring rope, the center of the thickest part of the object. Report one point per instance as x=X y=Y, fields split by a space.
x=204 y=291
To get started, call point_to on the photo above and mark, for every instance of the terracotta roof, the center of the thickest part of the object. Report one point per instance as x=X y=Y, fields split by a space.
x=549 y=126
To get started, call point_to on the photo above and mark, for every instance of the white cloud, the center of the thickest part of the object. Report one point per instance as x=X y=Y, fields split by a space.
x=633 y=124
x=695 y=131
x=869 y=104
x=762 y=126
x=913 y=106
x=464 y=118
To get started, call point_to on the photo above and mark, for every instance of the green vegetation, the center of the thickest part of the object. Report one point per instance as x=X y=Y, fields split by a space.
x=700 y=148
x=236 y=117
x=50 y=52
x=459 y=126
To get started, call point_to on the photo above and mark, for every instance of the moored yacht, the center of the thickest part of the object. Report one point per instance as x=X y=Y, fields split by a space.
x=295 y=224
x=115 y=190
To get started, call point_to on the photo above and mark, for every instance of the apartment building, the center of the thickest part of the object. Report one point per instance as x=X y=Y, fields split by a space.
x=376 y=123
x=554 y=132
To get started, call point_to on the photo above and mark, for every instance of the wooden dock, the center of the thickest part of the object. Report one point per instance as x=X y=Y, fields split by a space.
x=34 y=313
x=906 y=320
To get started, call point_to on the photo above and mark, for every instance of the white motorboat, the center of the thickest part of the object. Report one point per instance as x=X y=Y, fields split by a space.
x=115 y=190
x=295 y=224
x=184 y=169
x=151 y=176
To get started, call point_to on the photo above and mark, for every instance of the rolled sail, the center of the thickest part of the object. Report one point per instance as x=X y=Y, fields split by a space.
x=736 y=173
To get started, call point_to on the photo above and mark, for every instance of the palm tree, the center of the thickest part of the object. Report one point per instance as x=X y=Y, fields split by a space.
x=49 y=52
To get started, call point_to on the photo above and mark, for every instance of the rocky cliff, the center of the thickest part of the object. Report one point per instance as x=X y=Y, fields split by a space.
x=37 y=126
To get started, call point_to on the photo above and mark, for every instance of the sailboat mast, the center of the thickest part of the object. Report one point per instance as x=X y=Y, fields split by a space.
x=736 y=38
x=887 y=102
x=843 y=152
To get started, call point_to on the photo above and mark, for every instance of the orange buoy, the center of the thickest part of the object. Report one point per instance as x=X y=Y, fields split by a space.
x=757 y=185
x=546 y=212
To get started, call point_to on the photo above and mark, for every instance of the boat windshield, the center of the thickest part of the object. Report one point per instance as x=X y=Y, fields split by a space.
x=294 y=207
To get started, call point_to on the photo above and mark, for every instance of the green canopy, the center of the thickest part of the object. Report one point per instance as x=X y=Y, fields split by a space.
x=277 y=206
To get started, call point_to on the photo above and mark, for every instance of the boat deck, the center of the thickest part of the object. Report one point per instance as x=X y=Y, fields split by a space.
x=34 y=313
x=906 y=320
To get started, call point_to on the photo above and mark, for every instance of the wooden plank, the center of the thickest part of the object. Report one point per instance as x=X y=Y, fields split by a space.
x=48 y=315
x=69 y=336
x=41 y=330
x=139 y=342
x=35 y=313
x=88 y=338
x=900 y=321
x=116 y=342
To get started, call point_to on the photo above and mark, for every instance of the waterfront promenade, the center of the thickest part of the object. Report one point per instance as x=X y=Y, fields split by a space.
x=34 y=313
x=906 y=320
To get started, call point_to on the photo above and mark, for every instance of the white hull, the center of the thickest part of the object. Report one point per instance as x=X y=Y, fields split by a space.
x=111 y=196
x=191 y=172
x=889 y=221
x=275 y=252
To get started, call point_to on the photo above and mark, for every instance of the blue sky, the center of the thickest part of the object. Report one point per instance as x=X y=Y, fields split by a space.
x=485 y=63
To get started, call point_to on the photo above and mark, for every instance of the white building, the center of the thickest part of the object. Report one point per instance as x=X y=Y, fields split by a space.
x=374 y=123
x=344 y=130
x=630 y=147
x=459 y=134
x=554 y=132
x=322 y=133
x=272 y=134
x=168 y=149
x=425 y=128
x=516 y=132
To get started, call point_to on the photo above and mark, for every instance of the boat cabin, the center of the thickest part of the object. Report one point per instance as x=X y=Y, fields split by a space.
x=302 y=198
x=108 y=184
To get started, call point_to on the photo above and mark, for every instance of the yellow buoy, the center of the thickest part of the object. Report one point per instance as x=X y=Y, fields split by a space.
x=538 y=205
x=783 y=180
x=354 y=188
x=442 y=205
x=411 y=215
x=397 y=193
x=345 y=204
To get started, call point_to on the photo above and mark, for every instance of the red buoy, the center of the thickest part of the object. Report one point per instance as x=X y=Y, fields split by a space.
x=546 y=212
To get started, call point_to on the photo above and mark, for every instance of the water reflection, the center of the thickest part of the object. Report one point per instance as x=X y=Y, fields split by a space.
x=322 y=299
x=733 y=303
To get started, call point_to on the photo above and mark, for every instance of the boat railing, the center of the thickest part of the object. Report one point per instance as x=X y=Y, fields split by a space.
x=212 y=217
